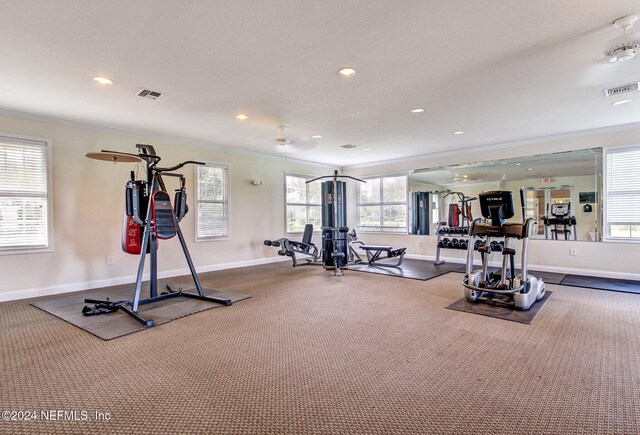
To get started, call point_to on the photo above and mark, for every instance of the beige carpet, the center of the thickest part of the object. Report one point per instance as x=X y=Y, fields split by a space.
x=315 y=353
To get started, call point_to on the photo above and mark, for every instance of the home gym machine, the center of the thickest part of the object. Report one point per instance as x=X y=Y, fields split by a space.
x=560 y=220
x=290 y=248
x=503 y=288
x=335 y=238
x=149 y=216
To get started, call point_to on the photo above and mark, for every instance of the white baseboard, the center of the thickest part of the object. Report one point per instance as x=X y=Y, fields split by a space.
x=540 y=268
x=87 y=285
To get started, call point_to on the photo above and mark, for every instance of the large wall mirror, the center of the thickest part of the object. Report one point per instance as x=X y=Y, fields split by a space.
x=561 y=192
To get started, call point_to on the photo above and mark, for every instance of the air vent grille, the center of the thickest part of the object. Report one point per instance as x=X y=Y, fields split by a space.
x=348 y=146
x=150 y=94
x=622 y=89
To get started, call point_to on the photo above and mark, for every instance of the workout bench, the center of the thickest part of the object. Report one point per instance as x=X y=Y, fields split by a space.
x=374 y=254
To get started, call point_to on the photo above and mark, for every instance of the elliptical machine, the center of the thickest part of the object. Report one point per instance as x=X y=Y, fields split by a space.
x=503 y=288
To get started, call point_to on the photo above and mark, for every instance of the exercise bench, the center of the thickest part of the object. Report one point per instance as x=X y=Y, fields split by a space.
x=374 y=253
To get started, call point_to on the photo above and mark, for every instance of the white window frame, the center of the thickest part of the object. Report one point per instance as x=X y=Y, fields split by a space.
x=605 y=192
x=382 y=203
x=48 y=144
x=306 y=204
x=226 y=202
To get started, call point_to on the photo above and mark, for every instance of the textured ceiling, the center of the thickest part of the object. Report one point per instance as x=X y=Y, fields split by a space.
x=499 y=70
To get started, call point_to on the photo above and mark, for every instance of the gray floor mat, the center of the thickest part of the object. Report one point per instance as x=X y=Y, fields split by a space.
x=499 y=311
x=116 y=324
x=611 y=284
x=410 y=268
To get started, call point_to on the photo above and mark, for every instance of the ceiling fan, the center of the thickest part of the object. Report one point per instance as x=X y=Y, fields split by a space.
x=286 y=142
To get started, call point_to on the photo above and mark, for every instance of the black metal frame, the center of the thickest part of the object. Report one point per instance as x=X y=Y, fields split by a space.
x=339 y=262
x=149 y=242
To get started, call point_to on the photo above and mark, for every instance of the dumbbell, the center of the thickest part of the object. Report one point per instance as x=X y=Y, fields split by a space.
x=443 y=243
x=497 y=246
x=463 y=244
x=455 y=243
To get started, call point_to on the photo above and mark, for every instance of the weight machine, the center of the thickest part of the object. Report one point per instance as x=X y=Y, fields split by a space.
x=149 y=216
x=335 y=238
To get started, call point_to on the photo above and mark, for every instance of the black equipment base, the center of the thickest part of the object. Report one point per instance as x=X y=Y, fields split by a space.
x=410 y=268
x=125 y=306
x=501 y=311
x=610 y=284
x=116 y=324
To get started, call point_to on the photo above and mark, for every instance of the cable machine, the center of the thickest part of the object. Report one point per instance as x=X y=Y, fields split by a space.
x=335 y=238
x=149 y=217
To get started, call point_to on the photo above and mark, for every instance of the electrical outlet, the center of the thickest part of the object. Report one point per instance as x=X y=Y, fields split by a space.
x=419 y=243
x=572 y=252
x=109 y=260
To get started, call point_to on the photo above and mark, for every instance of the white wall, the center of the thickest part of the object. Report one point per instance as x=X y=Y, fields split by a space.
x=592 y=258
x=87 y=211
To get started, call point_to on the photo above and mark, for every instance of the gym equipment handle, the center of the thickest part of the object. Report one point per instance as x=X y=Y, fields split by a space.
x=179 y=165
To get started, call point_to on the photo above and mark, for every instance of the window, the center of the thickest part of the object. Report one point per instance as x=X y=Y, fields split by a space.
x=212 y=202
x=303 y=203
x=25 y=208
x=382 y=204
x=622 y=194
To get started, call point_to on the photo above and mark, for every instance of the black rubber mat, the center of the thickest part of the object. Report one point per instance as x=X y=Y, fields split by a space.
x=118 y=323
x=548 y=277
x=499 y=311
x=410 y=268
x=611 y=284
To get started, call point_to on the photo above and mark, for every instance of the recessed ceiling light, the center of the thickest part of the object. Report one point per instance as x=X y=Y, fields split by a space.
x=242 y=116
x=366 y=149
x=529 y=169
x=617 y=103
x=518 y=164
x=347 y=71
x=103 y=80
x=417 y=110
x=458 y=132
x=316 y=136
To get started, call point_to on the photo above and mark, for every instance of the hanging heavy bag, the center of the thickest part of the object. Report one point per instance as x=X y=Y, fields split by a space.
x=134 y=215
x=454 y=219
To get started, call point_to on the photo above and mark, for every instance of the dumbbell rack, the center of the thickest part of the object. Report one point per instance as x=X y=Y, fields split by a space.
x=441 y=235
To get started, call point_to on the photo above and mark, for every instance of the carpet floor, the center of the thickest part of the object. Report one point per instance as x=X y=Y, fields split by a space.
x=315 y=353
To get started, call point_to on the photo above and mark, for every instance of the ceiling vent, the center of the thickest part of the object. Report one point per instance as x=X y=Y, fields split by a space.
x=348 y=146
x=150 y=94
x=623 y=89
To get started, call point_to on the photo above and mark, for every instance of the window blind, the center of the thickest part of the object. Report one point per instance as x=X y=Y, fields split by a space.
x=212 y=217
x=24 y=210
x=623 y=187
x=622 y=207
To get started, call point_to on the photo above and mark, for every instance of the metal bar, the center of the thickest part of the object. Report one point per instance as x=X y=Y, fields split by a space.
x=153 y=278
x=143 y=250
x=192 y=268
x=470 y=246
x=147 y=323
x=218 y=300
x=158 y=298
